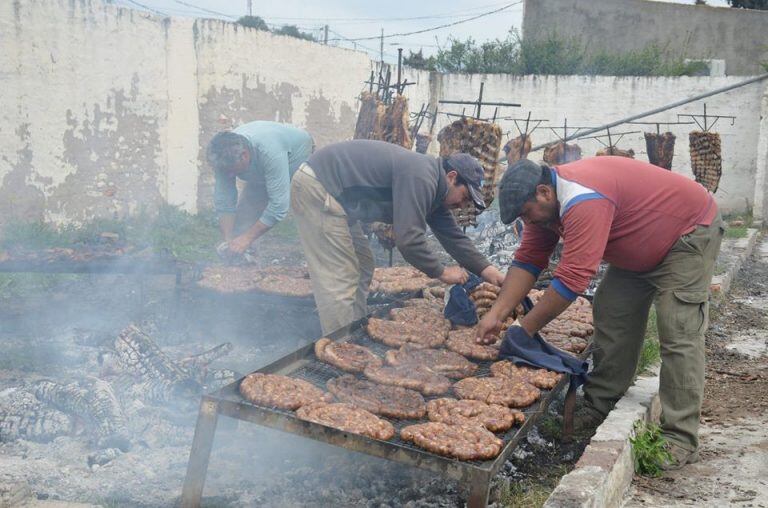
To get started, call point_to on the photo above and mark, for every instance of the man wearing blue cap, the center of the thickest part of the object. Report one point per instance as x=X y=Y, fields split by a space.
x=345 y=184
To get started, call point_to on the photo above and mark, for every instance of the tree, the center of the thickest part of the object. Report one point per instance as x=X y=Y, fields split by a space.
x=750 y=4
x=253 y=22
x=417 y=61
x=293 y=31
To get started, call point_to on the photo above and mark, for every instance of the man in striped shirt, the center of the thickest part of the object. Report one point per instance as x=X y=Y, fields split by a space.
x=660 y=233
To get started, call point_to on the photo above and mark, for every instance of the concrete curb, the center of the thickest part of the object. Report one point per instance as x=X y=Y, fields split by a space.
x=721 y=283
x=604 y=472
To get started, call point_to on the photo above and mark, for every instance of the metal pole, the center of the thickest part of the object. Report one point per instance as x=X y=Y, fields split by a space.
x=399 y=69
x=480 y=100
x=250 y=7
x=658 y=110
x=325 y=37
x=381 y=46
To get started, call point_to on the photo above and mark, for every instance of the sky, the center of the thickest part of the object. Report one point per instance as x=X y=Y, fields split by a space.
x=350 y=19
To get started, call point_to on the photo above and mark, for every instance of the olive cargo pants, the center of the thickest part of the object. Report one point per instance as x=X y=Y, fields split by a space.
x=680 y=286
x=338 y=255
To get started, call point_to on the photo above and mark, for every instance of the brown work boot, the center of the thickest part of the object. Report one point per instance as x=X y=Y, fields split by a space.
x=679 y=457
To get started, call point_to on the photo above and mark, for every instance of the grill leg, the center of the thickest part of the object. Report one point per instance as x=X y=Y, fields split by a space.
x=197 y=468
x=568 y=409
x=479 y=489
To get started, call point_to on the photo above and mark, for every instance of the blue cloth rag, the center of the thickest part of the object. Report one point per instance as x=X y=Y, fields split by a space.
x=459 y=309
x=522 y=349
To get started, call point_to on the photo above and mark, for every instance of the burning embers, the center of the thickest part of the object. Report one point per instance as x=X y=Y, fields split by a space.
x=135 y=375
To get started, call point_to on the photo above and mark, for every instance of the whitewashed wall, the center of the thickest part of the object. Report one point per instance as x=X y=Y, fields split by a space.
x=104 y=111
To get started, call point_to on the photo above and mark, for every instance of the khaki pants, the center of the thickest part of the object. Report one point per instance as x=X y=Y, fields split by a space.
x=680 y=287
x=339 y=258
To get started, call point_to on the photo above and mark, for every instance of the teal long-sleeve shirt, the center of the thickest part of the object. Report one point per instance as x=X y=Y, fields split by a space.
x=277 y=151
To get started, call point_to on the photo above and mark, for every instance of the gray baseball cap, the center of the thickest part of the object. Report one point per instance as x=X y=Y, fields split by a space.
x=517 y=186
x=471 y=171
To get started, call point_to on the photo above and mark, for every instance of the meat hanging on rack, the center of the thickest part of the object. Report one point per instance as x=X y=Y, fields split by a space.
x=394 y=128
x=706 y=158
x=618 y=152
x=370 y=117
x=562 y=153
x=481 y=140
x=518 y=148
x=660 y=148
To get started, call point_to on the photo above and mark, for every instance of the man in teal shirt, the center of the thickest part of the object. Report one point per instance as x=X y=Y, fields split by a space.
x=264 y=155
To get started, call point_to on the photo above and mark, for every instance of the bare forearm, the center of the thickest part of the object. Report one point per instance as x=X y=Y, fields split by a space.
x=517 y=284
x=549 y=306
x=255 y=231
x=227 y=225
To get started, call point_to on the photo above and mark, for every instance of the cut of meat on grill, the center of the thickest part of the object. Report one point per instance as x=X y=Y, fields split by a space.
x=384 y=400
x=540 y=378
x=660 y=149
x=385 y=234
x=618 y=152
x=444 y=362
x=278 y=391
x=399 y=279
x=395 y=125
x=347 y=417
x=494 y=417
x=497 y=390
x=428 y=318
x=463 y=342
x=517 y=148
x=413 y=377
x=370 y=118
x=428 y=303
x=568 y=343
x=396 y=334
x=345 y=355
x=706 y=158
x=463 y=442
x=288 y=281
x=573 y=328
x=562 y=153
x=481 y=140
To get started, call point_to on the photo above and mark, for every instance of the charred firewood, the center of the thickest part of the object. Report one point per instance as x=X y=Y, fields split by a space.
x=138 y=355
x=94 y=403
x=201 y=361
x=23 y=416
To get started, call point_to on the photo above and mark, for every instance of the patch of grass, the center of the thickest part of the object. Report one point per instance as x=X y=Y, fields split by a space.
x=737 y=232
x=169 y=230
x=651 y=352
x=549 y=427
x=648 y=447
x=524 y=494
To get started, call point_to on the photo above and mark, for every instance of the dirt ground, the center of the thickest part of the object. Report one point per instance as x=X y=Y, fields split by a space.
x=733 y=470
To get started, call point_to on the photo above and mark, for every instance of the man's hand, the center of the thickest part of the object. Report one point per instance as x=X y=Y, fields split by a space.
x=454 y=275
x=240 y=244
x=488 y=329
x=493 y=275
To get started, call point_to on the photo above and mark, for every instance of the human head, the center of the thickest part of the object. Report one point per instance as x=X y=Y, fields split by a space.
x=229 y=153
x=464 y=175
x=526 y=190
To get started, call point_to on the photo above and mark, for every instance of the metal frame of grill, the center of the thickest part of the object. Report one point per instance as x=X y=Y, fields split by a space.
x=303 y=364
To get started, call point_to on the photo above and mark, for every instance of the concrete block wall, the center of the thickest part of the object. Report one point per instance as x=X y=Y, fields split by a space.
x=105 y=110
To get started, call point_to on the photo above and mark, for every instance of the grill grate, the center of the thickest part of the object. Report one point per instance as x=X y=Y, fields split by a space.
x=319 y=373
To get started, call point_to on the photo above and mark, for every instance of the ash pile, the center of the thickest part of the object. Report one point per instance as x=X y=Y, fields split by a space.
x=108 y=397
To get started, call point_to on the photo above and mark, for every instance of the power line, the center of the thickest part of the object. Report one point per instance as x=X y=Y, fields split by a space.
x=454 y=14
x=204 y=9
x=439 y=26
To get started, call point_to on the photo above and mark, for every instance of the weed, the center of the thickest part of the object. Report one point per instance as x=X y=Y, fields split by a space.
x=549 y=427
x=525 y=494
x=649 y=449
x=651 y=351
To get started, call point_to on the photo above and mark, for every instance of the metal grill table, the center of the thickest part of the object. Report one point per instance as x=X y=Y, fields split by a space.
x=304 y=365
